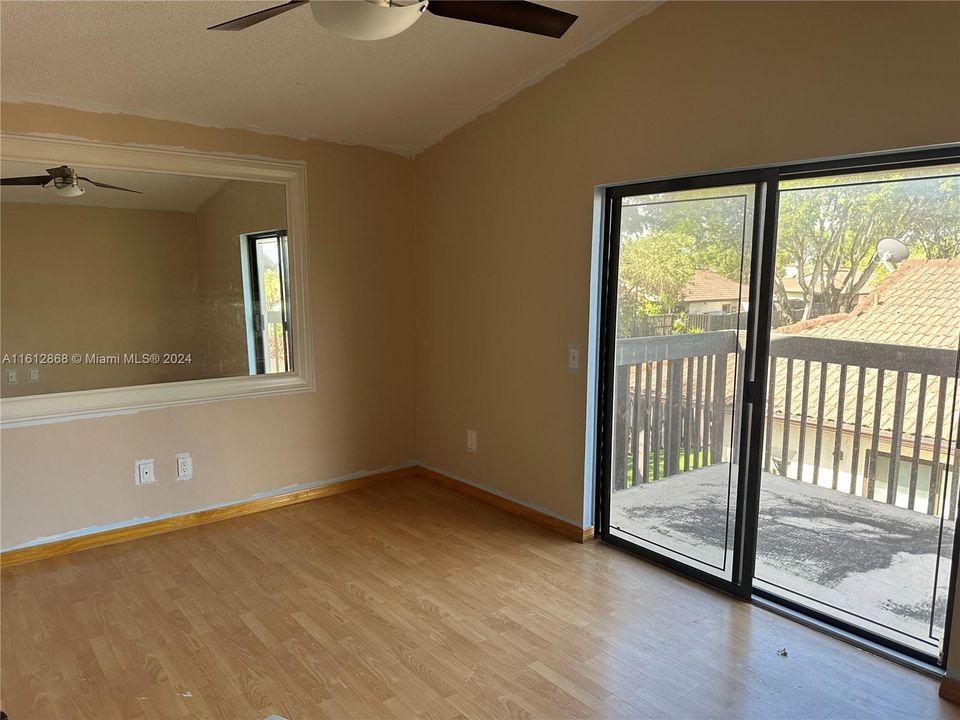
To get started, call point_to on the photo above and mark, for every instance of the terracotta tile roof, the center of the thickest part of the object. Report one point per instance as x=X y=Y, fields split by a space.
x=917 y=306
x=711 y=285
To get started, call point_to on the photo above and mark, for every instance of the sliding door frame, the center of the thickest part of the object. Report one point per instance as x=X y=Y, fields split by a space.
x=751 y=382
x=752 y=413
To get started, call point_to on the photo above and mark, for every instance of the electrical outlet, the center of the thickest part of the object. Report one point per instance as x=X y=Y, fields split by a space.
x=573 y=357
x=11 y=376
x=184 y=466
x=144 y=474
x=471 y=441
x=33 y=375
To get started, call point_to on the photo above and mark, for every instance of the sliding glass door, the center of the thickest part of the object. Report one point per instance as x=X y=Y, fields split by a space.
x=679 y=290
x=859 y=490
x=779 y=410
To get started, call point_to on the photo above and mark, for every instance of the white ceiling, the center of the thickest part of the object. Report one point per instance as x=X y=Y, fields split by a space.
x=178 y=193
x=285 y=76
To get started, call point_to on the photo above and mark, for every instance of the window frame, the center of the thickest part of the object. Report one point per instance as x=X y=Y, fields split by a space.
x=66 y=406
x=871 y=472
x=254 y=298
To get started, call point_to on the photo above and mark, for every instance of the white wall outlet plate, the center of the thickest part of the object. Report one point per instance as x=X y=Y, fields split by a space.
x=11 y=376
x=144 y=474
x=33 y=375
x=471 y=440
x=573 y=357
x=184 y=466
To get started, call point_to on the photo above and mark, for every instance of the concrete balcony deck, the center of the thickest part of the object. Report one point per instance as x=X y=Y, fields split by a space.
x=863 y=561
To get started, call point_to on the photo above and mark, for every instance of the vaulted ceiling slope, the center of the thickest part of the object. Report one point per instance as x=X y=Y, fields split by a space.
x=287 y=76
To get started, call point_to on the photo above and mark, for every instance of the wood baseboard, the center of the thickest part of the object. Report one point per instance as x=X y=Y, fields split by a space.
x=202 y=517
x=950 y=690
x=569 y=530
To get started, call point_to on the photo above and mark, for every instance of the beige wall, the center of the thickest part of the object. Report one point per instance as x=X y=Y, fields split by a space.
x=505 y=204
x=97 y=280
x=73 y=475
x=503 y=240
x=237 y=208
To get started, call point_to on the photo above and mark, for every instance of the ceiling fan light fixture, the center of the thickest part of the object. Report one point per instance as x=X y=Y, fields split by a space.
x=368 y=19
x=70 y=191
x=63 y=180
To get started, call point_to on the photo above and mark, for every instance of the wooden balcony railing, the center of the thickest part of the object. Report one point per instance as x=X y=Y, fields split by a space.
x=861 y=418
x=674 y=421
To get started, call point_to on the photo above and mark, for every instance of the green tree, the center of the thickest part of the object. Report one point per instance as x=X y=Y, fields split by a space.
x=828 y=230
x=713 y=223
x=654 y=271
x=276 y=348
x=935 y=228
x=682 y=326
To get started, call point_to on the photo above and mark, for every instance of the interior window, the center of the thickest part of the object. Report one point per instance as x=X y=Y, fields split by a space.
x=266 y=289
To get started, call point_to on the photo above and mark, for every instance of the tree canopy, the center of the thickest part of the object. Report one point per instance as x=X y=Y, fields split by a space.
x=827 y=236
x=655 y=268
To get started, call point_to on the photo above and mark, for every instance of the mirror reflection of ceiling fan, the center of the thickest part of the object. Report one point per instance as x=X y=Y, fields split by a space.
x=379 y=19
x=64 y=180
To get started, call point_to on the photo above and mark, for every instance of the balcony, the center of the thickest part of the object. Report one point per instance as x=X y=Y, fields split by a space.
x=857 y=468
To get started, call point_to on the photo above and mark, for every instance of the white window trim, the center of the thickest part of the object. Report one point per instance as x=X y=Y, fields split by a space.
x=59 y=407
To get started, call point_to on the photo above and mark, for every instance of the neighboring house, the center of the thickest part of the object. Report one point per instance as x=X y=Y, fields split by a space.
x=918 y=306
x=710 y=292
x=710 y=302
x=824 y=387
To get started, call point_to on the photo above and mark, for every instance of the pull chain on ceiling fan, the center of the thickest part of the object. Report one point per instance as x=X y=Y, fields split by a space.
x=379 y=19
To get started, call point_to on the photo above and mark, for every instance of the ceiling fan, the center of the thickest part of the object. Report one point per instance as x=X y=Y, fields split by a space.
x=379 y=19
x=65 y=181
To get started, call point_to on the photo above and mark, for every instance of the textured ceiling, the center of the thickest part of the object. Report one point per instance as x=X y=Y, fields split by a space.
x=179 y=193
x=286 y=76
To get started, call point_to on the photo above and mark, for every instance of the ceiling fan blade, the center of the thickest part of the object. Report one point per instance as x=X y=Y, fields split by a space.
x=511 y=14
x=242 y=23
x=57 y=172
x=33 y=180
x=108 y=187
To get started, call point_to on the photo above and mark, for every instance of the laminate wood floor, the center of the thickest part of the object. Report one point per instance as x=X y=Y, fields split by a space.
x=408 y=600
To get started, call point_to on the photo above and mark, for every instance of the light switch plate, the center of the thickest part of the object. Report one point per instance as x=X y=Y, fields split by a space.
x=33 y=375
x=471 y=441
x=10 y=374
x=143 y=473
x=573 y=357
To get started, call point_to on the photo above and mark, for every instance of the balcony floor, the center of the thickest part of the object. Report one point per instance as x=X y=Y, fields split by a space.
x=866 y=562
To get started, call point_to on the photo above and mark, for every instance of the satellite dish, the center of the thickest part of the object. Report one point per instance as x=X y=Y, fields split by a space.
x=891 y=252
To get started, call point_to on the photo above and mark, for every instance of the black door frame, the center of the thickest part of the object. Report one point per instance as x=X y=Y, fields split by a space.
x=764 y=214
x=253 y=267
x=762 y=259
